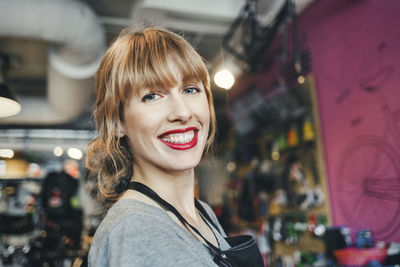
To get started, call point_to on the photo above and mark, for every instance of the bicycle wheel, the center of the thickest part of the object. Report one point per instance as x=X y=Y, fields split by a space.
x=368 y=186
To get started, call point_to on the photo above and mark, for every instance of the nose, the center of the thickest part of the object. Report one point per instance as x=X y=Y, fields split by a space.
x=179 y=109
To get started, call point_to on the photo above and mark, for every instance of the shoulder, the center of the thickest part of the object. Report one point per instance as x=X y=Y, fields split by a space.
x=125 y=225
x=132 y=233
x=130 y=218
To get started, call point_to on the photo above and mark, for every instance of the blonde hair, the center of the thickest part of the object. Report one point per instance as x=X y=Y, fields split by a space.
x=136 y=59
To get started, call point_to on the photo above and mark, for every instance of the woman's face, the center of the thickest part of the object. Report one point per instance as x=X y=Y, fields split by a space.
x=167 y=128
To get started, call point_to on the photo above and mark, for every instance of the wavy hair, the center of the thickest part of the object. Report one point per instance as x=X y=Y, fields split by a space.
x=136 y=59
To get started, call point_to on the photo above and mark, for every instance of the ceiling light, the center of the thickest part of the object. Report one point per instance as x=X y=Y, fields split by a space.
x=301 y=79
x=6 y=153
x=275 y=155
x=74 y=153
x=58 y=151
x=231 y=166
x=9 y=105
x=224 y=79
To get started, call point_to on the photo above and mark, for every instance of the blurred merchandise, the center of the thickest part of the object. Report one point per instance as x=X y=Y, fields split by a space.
x=359 y=257
x=308 y=131
x=293 y=136
x=364 y=238
x=336 y=238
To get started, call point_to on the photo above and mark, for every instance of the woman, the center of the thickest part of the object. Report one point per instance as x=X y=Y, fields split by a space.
x=155 y=116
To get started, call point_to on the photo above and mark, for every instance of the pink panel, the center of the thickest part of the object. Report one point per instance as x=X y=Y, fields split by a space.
x=356 y=64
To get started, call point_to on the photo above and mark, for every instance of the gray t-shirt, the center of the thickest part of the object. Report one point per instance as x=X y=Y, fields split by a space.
x=137 y=234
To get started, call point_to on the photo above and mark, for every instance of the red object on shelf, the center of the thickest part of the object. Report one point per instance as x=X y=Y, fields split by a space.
x=359 y=257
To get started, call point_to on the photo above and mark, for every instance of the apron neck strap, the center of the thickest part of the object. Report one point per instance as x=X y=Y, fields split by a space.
x=144 y=189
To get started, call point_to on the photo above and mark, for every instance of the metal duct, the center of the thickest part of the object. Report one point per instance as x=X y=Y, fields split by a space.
x=77 y=44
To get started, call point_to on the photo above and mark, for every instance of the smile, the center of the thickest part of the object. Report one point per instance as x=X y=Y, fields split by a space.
x=180 y=139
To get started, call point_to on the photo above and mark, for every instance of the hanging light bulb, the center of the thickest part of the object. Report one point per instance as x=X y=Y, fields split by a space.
x=58 y=151
x=224 y=79
x=301 y=79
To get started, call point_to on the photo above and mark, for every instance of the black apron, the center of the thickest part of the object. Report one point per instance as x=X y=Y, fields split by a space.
x=244 y=251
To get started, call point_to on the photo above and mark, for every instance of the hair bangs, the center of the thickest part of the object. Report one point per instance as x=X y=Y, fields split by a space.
x=157 y=56
x=191 y=67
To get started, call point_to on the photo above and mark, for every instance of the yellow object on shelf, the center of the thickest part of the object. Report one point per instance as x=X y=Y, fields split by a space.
x=308 y=131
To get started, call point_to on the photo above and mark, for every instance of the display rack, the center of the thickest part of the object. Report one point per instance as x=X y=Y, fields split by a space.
x=282 y=131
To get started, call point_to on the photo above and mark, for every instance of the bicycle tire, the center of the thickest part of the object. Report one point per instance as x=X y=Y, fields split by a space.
x=368 y=157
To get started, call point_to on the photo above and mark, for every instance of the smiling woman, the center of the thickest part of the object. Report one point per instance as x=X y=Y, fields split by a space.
x=137 y=64
x=155 y=117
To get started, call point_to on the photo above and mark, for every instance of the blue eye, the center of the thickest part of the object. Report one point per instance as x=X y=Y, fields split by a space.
x=150 y=97
x=191 y=90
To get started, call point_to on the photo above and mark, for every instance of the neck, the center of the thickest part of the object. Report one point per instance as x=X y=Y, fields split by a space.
x=175 y=187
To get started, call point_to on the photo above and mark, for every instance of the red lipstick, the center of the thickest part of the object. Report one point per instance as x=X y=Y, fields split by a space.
x=181 y=146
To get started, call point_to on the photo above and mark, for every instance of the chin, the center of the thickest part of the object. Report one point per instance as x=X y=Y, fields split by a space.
x=183 y=164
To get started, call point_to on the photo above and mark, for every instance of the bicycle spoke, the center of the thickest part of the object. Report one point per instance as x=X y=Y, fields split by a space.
x=357 y=207
x=369 y=213
x=375 y=212
x=354 y=171
x=387 y=188
x=377 y=156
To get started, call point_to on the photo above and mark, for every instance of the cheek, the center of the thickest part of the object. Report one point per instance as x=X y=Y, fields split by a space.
x=138 y=139
x=207 y=117
x=202 y=109
x=133 y=127
x=203 y=114
x=206 y=113
x=142 y=124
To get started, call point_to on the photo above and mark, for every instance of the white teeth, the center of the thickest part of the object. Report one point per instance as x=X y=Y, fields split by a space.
x=179 y=139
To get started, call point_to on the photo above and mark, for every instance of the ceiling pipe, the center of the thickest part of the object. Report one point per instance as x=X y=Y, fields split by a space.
x=76 y=46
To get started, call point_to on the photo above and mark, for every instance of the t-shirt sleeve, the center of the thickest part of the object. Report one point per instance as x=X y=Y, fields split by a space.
x=139 y=242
